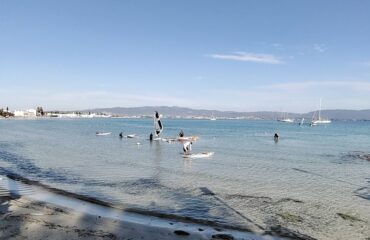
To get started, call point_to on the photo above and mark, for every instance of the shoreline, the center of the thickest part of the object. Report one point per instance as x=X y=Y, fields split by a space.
x=72 y=205
x=128 y=208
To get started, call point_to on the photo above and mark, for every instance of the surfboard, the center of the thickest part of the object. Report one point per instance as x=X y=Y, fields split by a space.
x=103 y=133
x=190 y=138
x=199 y=155
x=168 y=140
x=131 y=136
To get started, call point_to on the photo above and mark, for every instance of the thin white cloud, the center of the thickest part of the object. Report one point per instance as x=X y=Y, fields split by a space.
x=278 y=46
x=249 y=57
x=298 y=97
x=87 y=99
x=319 y=47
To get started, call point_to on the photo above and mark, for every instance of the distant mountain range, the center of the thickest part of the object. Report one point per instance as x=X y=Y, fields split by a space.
x=182 y=112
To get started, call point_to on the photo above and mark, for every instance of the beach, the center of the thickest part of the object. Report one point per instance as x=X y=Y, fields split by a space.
x=23 y=218
x=32 y=211
x=41 y=213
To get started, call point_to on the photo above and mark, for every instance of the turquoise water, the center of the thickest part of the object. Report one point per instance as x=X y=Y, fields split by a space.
x=316 y=165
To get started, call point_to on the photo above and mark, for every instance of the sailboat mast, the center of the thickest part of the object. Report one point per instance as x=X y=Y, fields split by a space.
x=320 y=110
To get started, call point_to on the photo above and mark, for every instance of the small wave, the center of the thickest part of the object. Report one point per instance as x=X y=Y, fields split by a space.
x=356 y=155
x=363 y=193
x=25 y=166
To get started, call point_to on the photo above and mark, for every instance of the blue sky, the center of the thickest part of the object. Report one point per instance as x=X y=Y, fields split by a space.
x=227 y=55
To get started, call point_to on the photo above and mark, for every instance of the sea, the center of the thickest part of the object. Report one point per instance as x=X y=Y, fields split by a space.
x=320 y=166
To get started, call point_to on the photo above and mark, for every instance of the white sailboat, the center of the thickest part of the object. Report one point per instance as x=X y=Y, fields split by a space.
x=319 y=120
x=285 y=119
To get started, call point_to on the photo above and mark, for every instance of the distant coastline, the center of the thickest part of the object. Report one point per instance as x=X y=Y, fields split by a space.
x=189 y=113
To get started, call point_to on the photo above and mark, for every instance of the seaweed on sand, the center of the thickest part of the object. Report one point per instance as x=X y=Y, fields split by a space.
x=349 y=217
x=290 y=217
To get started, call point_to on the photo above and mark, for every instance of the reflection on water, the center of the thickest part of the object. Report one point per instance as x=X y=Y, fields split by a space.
x=187 y=165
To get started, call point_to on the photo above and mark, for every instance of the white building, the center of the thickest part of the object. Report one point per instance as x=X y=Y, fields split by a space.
x=18 y=113
x=30 y=113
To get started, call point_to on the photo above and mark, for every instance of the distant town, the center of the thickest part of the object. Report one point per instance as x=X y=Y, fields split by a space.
x=40 y=113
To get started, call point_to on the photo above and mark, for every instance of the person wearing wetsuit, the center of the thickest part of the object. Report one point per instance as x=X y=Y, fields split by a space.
x=151 y=137
x=181 y=134
x=187 y=148
x=276 y=137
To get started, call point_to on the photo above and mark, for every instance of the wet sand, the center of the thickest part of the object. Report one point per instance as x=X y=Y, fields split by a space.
x=30 y=210
x=41 y=214
x=23 y=218
x=314 y=219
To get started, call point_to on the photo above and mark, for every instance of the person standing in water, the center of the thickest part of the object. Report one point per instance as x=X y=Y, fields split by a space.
x=276 y=137
x=151 y=137
x=181 y=134
x=187 y=148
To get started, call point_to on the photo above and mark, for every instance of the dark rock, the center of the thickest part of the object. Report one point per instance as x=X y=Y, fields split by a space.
x=206 y=191
x=222 y=236
x=365 y=157
x=181 y=233
x=280 y=231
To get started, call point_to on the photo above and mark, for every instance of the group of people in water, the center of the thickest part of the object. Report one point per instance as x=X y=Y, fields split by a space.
x=186 y=146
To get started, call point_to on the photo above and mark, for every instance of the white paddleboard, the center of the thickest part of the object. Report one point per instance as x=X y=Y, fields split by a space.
x=190 y=138
x=103 y=134
x=199 y=155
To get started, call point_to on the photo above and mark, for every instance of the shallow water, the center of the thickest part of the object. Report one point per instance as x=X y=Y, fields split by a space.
x=315 y=165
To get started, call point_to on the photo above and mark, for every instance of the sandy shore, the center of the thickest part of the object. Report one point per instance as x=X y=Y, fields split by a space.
x=23 y=218
x=31 y=212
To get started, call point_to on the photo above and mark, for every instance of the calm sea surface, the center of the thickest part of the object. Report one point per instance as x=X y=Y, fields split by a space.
x=311 y=164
